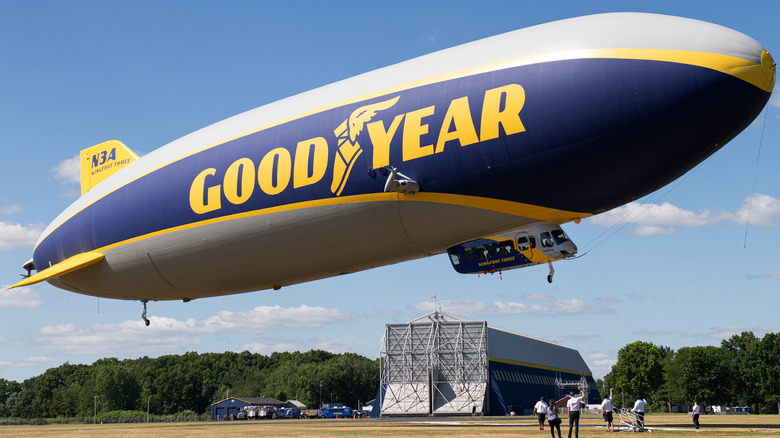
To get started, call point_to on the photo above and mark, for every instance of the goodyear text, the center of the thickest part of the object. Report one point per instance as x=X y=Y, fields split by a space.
x=306 y=162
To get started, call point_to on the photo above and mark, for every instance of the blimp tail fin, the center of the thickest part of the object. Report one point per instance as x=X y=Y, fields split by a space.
x=66 y=266
x=103 y=160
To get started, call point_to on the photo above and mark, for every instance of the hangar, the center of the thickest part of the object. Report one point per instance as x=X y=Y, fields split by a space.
x=228 y=408
x=440 y=364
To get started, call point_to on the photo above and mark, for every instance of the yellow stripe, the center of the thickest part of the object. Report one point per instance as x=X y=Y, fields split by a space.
x=514 y=208
x=761 y=75
x=537 y=366
x=64 y=267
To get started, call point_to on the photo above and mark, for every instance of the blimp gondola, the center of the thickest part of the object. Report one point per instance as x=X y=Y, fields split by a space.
x=537 y=244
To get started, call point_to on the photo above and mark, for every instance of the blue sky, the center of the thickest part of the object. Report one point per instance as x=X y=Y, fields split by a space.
x=683 y=268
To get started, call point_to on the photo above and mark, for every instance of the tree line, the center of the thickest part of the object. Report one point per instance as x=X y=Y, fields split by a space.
x=190 y=382
x=743 y=371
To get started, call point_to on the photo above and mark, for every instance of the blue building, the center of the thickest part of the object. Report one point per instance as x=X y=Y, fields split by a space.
x=228 y=409
x=522 y=369
x=443 y=365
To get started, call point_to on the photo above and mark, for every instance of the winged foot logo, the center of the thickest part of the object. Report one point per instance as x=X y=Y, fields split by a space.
x=348 y=147
x=307 y=162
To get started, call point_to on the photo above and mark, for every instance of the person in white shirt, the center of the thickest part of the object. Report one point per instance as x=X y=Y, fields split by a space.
x=639 y=410
x=695 y=414
x=573 y=408
x=540 y=409
x=606 y=411
x=553 y=419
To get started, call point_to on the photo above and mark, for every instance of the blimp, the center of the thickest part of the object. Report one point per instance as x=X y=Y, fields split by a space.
x=481 y=151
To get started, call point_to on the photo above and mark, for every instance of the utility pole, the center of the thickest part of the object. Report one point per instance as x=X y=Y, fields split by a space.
x=94 y=418
x=147 y=407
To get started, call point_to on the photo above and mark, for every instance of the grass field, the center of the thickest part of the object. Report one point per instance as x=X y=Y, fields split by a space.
x=677 y=425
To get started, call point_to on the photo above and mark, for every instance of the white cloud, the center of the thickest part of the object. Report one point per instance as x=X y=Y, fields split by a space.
x=775 y=274
x=601 y=360
x=515 y=308
x=20 y=298
x=552 y=307
x=600 y=363
x=650 y=230
x=575 y=306
x=648 y=332
x=267 y=349
x=10 y=209
x=775 y=100
x=719 y=333
x=762 y=212
x=608 y=300
x=327 y=345
x=337 y=347
x=26 y=362
x=263 y=318
x=538 y=297
x=166 y=334
x=453 y=307
x=68 y=171
x=654 y=220
x=15 y=235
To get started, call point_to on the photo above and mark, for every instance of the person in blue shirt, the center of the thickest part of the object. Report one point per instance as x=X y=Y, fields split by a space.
x=553 y=419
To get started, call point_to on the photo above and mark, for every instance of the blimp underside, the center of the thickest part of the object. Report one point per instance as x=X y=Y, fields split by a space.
x=548 y=124
x=281 y=249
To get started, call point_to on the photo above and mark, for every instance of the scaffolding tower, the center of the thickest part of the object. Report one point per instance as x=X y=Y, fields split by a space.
x=563 y=387
x=435 y=364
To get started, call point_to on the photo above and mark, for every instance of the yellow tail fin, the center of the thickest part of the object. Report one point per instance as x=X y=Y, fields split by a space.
x=66 y=266
x=103 y=160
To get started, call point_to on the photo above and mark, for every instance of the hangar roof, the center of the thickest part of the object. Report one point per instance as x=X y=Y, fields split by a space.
x=509 y=347
x=252 y=401
x=506 y=346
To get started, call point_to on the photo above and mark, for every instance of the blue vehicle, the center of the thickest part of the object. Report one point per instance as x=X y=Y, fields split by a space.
x=335 y=410
x=290 y=413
